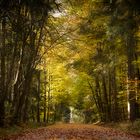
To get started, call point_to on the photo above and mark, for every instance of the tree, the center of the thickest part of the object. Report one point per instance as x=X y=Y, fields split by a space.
x=22 y=31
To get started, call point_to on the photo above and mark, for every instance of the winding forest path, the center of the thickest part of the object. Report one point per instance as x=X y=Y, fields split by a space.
x=73 y=132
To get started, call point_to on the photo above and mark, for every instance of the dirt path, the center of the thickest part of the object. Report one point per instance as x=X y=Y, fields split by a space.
x=73 y=132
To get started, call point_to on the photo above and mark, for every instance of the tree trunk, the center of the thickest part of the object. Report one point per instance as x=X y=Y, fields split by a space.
x=2 y=75
x=114 y=95
x=105 y=99
x=131 y=78
x=45 y=96
x=49 y=95
x=38 y=99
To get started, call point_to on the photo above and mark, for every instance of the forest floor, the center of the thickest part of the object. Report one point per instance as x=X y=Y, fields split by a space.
x=72 y=132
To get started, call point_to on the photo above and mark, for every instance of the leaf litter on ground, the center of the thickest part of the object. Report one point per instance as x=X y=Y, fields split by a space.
x=73 y=132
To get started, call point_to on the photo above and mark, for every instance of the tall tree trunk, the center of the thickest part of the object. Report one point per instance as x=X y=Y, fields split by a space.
x=131 y=78
x=2 y=75
x=38 y=98
x=45 y=96
x=49 y=95
x=95 y=97
x=137 y=87
x=105 y=99
x=114 y=94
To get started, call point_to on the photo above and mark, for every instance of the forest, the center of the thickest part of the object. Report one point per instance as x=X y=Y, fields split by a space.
x=72 y=61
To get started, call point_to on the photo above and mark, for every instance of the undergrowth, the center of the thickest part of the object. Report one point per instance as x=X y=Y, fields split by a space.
x=125 y=126
x=20 y=128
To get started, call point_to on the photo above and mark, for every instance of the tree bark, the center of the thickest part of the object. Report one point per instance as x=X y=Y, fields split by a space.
x=2 y=75
x=38 y=98
x=45 y=96
x=131 y=78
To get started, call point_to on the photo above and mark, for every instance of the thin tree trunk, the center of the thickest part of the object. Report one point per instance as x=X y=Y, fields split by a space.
x=49 y=95
x=38 y=99
x=45 y=96
x=99 y=97
x=131 y=78
x=114 y=102
x=2 y=76
x=105 y=96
